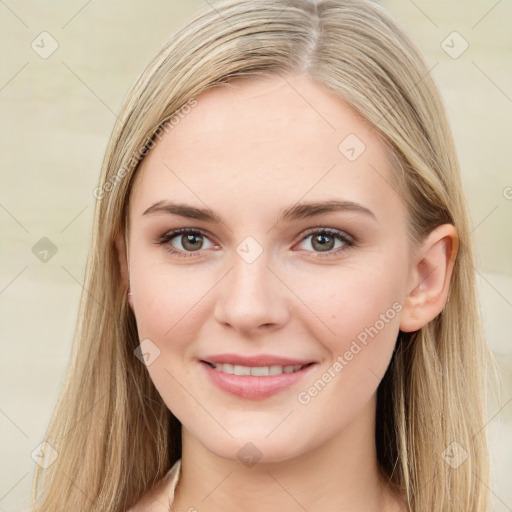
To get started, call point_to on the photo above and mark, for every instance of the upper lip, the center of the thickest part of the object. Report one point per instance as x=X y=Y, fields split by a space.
x=257 y=360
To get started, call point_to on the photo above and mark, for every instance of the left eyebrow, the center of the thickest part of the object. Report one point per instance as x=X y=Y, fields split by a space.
x=297 y=211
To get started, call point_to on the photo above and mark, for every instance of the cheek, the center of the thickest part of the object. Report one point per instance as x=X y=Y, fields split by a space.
x=165 y=298
x=350 y=300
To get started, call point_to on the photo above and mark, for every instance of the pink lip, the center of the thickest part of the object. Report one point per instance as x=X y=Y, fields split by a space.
x=259 y=360
x=254 y=387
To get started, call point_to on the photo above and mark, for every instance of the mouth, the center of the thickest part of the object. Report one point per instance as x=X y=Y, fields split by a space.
x=254 y=381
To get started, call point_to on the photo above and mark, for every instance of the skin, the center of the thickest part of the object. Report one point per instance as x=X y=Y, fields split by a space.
x=247 y=151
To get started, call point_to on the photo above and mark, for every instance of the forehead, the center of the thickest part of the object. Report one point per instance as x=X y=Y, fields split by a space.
x=256 y=141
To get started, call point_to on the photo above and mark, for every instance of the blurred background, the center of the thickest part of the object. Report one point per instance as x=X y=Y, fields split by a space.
x=66 y=69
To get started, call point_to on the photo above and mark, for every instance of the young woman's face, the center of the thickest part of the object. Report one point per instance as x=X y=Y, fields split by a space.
x=310 y=294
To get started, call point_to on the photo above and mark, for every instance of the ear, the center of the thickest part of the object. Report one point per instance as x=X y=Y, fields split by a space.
x=123 y=265
x=430 y=278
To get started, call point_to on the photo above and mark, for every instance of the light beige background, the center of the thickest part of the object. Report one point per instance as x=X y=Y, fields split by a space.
x=56 y=117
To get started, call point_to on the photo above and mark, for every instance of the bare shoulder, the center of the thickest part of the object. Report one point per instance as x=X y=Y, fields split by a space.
x=153 y=500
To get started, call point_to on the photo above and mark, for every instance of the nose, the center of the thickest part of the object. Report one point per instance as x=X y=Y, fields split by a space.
x=252 y=297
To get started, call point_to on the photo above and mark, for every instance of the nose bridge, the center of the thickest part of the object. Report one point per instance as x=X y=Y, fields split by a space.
x=252 y=295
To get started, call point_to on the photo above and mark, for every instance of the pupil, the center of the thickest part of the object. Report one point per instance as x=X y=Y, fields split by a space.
x=190 y=241
x=324 y=241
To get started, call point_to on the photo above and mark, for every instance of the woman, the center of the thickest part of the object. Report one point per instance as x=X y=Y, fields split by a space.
x=280 y=308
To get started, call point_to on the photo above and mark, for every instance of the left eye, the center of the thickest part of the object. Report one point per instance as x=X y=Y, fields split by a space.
x=192 y=241
x=324 y=240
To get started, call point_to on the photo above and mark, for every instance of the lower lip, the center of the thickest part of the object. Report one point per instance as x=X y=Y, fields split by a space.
x=252 y=387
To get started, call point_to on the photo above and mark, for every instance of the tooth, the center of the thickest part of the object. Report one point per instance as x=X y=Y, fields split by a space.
x=275 y=370
x=241 y=370
x=255 y=370
x=228 y=368
x=259 y=370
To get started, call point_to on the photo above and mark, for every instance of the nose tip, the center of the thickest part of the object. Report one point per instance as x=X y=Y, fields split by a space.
x=251 y=297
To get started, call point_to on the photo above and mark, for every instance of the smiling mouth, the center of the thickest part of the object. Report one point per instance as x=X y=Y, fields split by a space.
x=256 y=371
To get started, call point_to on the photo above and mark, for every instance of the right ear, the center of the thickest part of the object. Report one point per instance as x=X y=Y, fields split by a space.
x=123 y=266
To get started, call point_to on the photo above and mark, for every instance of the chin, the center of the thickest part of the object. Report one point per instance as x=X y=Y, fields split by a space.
x=255 y=446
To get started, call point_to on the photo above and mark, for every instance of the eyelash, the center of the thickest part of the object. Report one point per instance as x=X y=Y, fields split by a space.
x=348 y=240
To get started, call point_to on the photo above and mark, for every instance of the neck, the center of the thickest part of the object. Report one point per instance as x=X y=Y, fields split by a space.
x=341 y=475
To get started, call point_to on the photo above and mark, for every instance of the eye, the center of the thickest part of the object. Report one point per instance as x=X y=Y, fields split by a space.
x=190 y=240
x=324 y=240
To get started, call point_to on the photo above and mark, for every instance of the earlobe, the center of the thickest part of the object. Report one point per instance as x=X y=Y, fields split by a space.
x=430 y=278
x=123 y=265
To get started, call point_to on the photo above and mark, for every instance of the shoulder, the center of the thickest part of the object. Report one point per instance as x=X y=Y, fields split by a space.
x=159 y=498
x=153 y=500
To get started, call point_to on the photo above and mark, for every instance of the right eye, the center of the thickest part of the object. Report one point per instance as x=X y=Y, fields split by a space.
x=190 y=240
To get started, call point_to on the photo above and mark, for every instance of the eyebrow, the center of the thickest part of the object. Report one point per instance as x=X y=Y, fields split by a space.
x=297 y=211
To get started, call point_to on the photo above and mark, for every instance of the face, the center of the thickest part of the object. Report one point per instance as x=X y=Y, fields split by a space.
x=268 y=283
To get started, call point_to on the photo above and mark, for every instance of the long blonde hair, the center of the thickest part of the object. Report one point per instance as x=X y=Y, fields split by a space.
x=113 y=433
